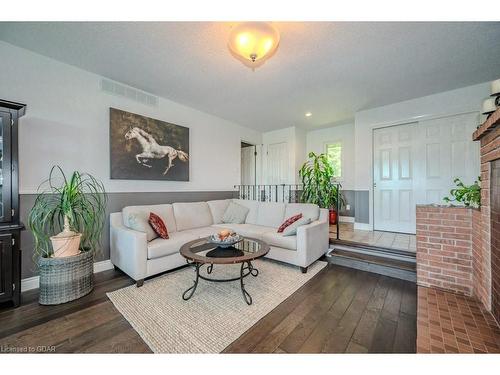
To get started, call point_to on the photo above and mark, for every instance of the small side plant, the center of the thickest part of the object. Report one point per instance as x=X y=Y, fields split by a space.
x=469 y=196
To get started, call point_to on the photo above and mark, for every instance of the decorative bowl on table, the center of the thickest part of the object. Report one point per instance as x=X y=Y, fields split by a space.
x=225 y=238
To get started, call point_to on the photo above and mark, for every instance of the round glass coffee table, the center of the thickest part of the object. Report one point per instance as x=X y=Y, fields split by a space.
x=201 y=252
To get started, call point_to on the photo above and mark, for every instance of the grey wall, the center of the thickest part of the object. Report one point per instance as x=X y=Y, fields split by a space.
x=349 y=196
x=358 y=200
x=362 y=204
x=116 y=201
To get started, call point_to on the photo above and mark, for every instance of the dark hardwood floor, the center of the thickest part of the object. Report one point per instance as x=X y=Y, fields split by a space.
x=339 y=310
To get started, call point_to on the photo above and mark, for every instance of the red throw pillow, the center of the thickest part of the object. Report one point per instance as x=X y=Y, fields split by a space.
x=288 y=222
x=158 y=225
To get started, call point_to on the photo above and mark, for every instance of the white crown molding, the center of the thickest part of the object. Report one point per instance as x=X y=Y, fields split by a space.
x=34 y=282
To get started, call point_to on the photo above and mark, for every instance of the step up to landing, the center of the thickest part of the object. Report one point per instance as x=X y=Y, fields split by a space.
x=401 y=266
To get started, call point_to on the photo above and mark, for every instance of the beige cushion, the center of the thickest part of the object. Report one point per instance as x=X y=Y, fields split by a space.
x=278 y=240
x=246 y=230
x=136 y=218
x=159 y=247
x=217 y=208
x=192 y=215
x=308 y=210
x=271 y=214
x=291 y=230
x=253 y=207
x=235 y=214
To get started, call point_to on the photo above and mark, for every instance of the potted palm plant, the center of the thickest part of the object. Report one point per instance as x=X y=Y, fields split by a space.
x=66 y=221
x=318 y=185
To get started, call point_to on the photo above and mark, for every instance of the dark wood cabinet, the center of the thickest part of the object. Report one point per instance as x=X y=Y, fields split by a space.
x=10 y=226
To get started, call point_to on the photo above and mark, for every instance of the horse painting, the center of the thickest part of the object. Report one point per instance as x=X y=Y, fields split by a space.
x=144 y=148
x=152 y=150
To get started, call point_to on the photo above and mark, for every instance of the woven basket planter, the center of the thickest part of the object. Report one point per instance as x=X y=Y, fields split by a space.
x=66 y=279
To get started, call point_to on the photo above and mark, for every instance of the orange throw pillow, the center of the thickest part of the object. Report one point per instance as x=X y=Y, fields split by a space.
x=158 y=225
x=288 y=222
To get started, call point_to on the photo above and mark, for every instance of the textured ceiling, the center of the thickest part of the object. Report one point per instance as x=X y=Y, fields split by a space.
x=331 y=69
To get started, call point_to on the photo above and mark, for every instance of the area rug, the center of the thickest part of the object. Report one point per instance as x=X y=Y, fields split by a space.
x=216 y=315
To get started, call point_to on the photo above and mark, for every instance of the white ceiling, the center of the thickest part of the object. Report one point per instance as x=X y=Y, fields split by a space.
x=331 y=69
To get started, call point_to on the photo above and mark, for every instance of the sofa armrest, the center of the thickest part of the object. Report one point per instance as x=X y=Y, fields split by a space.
x=313 y=240
x=128 y=248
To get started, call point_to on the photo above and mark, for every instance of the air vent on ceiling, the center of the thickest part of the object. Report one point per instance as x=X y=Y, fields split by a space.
x=115 y=88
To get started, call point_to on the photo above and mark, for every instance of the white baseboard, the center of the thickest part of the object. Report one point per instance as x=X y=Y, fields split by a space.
x=363 y=226
x=346 y=219
x=34 y=282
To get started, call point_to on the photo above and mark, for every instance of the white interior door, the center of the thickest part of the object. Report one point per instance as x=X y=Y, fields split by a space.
x=417 y=163
x=277 y=170
x=393 y=176
x=277 y=163
x=248 y=165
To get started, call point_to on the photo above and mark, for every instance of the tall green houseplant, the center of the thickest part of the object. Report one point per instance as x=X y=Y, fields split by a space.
x=73 y=205
x=317 y=180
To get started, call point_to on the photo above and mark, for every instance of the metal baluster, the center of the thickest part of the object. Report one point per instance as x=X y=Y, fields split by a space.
x=338 y=212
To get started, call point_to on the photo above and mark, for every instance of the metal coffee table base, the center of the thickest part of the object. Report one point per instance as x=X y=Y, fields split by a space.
x=247 y=268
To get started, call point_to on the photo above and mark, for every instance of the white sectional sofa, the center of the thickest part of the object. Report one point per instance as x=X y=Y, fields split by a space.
x=139 y=258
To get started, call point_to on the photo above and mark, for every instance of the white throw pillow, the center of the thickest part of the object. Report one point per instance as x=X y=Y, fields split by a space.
x=137 y=221
x=235 y=214
x=291 y=230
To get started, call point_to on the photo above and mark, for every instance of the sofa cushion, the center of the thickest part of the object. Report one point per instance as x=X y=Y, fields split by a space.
x=235 y=214
x=291 y=230
x=192 y=215
x=308 y=210
x=246 y=230
x=217 y=208
x=136 y=218
x=253 y=207
x=279 y=240
x=159 y=247
x=271 y=214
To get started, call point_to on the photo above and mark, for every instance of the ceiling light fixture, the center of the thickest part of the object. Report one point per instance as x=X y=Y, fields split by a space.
x=308 y=114
x=253 y=42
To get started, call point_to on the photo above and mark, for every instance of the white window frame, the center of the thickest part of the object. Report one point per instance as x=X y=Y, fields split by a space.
x=325 y=148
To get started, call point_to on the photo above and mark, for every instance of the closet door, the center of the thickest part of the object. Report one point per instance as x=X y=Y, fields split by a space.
x=447 y=152
x=417 y=163
x=394 y=150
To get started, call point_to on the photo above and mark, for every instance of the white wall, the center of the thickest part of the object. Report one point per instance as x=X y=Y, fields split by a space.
x=300 y=151
x=467 y=99
x=317 y=140
x=67 y=123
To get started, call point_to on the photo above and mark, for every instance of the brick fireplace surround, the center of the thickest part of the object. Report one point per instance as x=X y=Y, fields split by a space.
x=458 y=259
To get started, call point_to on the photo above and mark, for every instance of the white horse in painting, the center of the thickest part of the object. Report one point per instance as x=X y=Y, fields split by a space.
x=152 y=150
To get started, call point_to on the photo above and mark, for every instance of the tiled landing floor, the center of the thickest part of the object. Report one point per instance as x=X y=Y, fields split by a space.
x=390 y=240
x=451 y=323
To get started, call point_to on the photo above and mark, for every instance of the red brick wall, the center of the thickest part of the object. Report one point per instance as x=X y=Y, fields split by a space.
x=490 y=151
x=444 y=248
x=480 y=260
x=495 y=238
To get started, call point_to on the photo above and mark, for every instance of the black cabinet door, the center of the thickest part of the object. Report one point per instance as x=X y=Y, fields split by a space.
x=5 y=267
x=5 y=167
